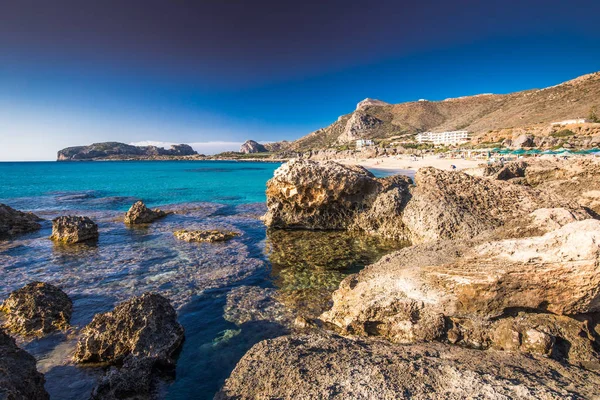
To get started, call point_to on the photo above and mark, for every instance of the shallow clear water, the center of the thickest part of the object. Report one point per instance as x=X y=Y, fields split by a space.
x=301 y=269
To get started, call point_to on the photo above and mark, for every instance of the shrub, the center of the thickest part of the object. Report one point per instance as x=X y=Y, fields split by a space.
x=563 y=133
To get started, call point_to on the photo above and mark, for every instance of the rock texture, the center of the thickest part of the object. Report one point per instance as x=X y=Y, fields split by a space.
x=144 y=327
x=210 y=236
x=140 y=214
x=441 y=205
x=418 y=293
x=251 y=147
x=311 y=195
x=36 y=309
x=19 y=378
x=332 y=367
x=73 y=229
x=142 y=335
x=14 y=222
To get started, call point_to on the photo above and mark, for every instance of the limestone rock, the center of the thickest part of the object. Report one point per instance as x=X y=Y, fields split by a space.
x=73 y=229
x=210 y=236
x=523 y=141
x=19 y=378
x=140 y=214
x=145 y=326
x=404 y=295
x=135 y=380
x=327 y=366
x=251 y=147
x=326 y=195
x=14 y=222
x=37 y=309
x=371 y=103
x=358 y=126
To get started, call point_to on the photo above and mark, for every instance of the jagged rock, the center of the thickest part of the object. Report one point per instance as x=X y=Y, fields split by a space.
x=250 y=147
x=36 y=309
x=454 y=205
x=523 y=141
x=311 y=195
x=14 y=222
x=327 y=366
x=370 y=102
x=406 y=296
x=442 y=205
x=504 y=172
x=140 y=214
x=205 y=236
x=145 y=326
x=73 y=229
x=19 y=378
x=135 y=380
x=357 y=126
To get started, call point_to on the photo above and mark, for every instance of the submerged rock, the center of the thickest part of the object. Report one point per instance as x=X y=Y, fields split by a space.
x=328 y=366
x=411 y=296
x=73 y=229
x=140 y=214
x=205 y=236
x=36 y=309
x=14 y=222
x=19 y=378
x=145 y=326
x=143 y=335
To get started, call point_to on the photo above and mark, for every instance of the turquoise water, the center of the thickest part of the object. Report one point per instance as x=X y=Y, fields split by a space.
x=214 y=287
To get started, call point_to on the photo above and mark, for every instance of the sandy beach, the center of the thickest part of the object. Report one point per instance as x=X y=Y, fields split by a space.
x=401 y=163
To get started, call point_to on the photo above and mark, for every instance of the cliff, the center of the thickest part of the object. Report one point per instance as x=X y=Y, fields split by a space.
x=481 y=115
x=116 y=150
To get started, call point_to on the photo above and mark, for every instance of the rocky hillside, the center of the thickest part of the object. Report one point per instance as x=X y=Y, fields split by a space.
x=116 y=150
x=480 y=114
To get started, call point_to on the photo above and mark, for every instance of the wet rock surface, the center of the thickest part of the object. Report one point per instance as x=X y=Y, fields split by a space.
x=329 y=366
x=14 y=222
x=209 y=236
x=145 y=326
x=37 y=309
x=19 y=378
x=140 y=214
x=73 y=229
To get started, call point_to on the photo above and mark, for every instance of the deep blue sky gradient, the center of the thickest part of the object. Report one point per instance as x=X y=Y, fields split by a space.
x=75 y=72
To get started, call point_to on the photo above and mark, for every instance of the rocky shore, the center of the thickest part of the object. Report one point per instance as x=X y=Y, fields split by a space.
x=496 y=298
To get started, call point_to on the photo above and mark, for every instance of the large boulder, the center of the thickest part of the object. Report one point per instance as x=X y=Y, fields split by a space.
x=305 y=194
x=134 y=380
x=145 y=326
x=19 y=378
x=524 y=140
x=251 y=147
x=415 y=294
x=320 y=366
x=37 y=309
x=73 y=229
x=14 y=222
x=441 y=205
x=140 y=214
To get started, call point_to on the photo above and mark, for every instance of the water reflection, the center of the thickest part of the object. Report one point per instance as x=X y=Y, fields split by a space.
x=307 y=266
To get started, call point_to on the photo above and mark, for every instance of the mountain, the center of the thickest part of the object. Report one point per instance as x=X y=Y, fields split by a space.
x=116 y=150
x=479 y=114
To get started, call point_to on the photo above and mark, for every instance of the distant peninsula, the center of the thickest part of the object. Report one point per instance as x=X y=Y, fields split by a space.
x=122 y=151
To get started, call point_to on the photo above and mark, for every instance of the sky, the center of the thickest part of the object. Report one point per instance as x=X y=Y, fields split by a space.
x=216 y=73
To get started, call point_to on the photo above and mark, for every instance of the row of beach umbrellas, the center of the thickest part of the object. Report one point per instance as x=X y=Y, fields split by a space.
x=561 y=152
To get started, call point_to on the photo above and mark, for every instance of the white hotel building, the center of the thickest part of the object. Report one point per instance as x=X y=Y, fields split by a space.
x=452 y=137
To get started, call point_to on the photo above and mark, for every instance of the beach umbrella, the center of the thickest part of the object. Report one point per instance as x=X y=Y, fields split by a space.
x=504 y=151
x=519 y=152
x=533 y=151
x=548 y=152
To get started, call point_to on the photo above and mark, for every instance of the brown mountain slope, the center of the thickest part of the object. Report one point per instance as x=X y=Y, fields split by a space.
x=478 y=114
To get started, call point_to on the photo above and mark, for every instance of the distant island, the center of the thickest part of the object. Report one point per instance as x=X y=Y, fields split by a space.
x=121 y=151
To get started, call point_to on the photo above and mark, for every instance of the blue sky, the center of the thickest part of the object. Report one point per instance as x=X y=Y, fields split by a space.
x=201 y=72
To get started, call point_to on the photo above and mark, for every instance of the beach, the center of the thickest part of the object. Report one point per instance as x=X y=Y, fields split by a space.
x=402 y=163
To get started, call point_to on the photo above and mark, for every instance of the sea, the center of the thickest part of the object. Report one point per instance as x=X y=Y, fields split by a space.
x=218 y=289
